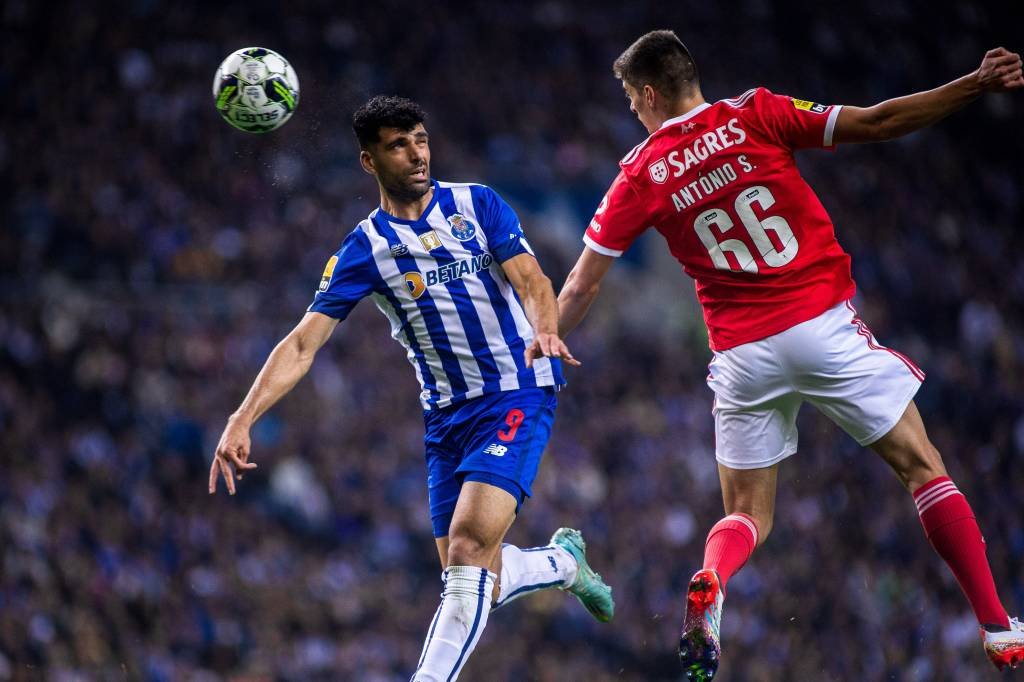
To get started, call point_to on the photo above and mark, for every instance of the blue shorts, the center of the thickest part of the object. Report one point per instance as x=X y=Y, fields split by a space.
x=498 y=439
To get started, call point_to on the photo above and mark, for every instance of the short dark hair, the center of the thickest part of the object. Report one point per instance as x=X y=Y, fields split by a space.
x=385 y=111
x=658 y=59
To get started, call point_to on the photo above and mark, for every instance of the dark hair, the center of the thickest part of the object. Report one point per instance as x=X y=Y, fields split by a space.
x=658 y=59
x=385 y=111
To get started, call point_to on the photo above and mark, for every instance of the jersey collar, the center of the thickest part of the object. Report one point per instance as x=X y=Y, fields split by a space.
x=689 y=114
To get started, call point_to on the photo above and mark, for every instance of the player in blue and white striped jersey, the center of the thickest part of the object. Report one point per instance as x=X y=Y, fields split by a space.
x=441 y=280
x=449 y=266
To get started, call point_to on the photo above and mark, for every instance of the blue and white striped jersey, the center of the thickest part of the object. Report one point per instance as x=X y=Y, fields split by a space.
x=440 y=283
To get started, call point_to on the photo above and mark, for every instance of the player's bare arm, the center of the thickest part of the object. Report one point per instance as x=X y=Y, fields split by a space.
x=580 y=289
x=534 y=289
x=285 y=366
x=1000 y=71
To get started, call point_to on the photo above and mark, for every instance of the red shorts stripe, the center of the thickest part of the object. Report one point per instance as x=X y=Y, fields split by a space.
x=863 y=330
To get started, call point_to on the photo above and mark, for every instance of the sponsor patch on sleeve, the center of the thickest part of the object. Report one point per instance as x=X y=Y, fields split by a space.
x=806 y=105
x=325 y=280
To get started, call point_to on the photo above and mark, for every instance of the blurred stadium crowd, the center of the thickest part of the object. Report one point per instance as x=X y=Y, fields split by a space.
x=150 y=258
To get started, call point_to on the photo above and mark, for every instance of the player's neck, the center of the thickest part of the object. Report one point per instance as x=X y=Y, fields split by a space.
x=411 y=209
x=682 y=106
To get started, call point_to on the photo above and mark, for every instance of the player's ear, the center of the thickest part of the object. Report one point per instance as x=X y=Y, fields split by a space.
x=366 y=161
x=650 y=95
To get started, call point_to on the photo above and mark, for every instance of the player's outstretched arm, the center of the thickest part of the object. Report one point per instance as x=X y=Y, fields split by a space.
x=534 y=289
x=580 y=289
x=1000 y=71
x=287 y=363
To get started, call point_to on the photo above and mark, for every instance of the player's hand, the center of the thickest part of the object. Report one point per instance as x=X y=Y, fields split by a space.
x=549 y=346
x=1000 y=71
x=232 y=456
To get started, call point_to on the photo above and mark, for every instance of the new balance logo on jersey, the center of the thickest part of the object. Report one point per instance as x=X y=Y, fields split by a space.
x=399 y=250
x=496 y=450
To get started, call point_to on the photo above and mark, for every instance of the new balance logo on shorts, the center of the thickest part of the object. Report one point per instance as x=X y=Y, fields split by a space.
x=496 y=450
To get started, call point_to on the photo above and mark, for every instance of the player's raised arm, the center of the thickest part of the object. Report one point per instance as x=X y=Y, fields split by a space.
x=580 y=289
x=1000 y=71
x=534 y=289
x=287 y=363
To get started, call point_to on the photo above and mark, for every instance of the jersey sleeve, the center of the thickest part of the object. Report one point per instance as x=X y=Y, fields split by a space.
x=505 y=237
x=620 y=218
x=348 y=278
x=797 y=123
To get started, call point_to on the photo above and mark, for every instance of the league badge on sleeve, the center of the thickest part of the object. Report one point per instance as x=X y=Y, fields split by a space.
x=463 y=228
x=659 y=171
x=805 y=105
x=325 y=280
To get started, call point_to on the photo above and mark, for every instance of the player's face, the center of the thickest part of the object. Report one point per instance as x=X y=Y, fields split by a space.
x=639 y=105
x=401 y=162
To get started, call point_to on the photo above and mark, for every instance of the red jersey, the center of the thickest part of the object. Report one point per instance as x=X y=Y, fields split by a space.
x=721 y=185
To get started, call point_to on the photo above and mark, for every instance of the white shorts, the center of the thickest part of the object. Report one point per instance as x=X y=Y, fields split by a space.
x=832 y=361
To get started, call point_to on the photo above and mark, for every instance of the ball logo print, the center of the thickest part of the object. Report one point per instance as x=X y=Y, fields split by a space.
x=256 y=90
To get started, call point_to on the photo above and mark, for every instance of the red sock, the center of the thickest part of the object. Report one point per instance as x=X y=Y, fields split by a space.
x=730 y=543
x=953 y=531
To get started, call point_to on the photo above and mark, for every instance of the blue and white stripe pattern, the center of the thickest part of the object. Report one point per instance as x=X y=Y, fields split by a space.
x=439 y=281
x=458 y=624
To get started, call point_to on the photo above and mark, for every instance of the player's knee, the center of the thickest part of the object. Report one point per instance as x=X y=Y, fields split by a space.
x=764 y=528
x=466 y=547
x=762 y=519
x=925 y=464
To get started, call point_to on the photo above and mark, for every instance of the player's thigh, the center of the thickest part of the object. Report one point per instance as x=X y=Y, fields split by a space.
x=755 y=407
x=443 y=486
x=507 y=441
x=907 y=449
x=758 y=436
x=860 y=385
x=482 y=516
x=442 y=551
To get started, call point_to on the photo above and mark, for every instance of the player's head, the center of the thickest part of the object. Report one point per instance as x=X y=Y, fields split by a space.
x=656 y=72
x=393 y=145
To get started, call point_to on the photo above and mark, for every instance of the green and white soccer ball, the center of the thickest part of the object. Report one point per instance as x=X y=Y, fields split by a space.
x=256 y=90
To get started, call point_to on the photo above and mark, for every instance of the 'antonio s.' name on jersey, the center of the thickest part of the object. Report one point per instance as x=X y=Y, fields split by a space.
x=704 y=146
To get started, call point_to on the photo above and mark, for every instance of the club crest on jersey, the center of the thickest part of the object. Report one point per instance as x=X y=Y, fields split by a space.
x=463 y=228
x=659 y=171
x=399 y=250
x=430 y=240
x=325 y=279
x=805 y=105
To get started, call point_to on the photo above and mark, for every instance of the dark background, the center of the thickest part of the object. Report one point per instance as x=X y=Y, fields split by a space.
x=151 y=256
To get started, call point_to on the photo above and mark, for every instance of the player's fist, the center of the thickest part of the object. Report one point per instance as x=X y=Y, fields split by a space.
x=1000 y=70
x=232 y=455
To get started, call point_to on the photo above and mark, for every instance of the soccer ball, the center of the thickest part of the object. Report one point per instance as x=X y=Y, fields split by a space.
x=255 y=90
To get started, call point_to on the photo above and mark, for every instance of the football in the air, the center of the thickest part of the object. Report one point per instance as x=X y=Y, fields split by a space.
x=255 y=90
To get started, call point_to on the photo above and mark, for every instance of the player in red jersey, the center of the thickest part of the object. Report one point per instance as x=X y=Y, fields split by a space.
x=719 y=182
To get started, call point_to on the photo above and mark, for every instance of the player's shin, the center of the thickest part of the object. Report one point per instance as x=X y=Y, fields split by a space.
x=457 y=625
x=730 y=543
x=951 y=528
x=525 y=571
